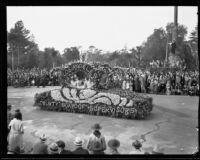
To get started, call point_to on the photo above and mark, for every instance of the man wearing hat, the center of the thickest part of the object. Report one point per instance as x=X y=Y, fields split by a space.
x=137 y=148
x=95 y=137
x=61 y=148
x=113 y=145
x=40 y=147
x=53 y=148
x=79 y=150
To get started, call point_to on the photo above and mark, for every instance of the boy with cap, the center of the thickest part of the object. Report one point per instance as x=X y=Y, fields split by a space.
x=61 y=148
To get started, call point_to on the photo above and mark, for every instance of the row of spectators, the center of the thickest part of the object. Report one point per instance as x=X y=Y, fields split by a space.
x=163 y=82
x=168 y=82
x=96 y=143
x=32 y=77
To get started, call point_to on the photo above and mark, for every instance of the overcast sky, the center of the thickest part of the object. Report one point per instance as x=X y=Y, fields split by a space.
x=107 y=28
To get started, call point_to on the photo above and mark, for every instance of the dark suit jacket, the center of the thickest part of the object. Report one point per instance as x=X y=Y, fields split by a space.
x=80 y=150
x=65 y=152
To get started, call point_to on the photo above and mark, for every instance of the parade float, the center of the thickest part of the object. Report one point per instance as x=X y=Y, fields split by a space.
x=101 y=96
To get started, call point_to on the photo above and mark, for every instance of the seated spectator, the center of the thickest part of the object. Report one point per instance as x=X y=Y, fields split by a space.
x=137 y=148
x=113 y=145
x=79 y=149
x=40 y=147
x=96 y=136
x=158 y=150
x=53 y=148
x=61 y=148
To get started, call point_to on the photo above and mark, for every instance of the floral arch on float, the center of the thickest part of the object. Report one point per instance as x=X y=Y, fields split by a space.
x=94 y=88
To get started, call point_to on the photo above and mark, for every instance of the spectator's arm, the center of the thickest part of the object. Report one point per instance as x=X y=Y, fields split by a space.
x=22 y=129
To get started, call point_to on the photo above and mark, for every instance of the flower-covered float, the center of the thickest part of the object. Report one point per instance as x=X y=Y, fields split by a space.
x=92 y=89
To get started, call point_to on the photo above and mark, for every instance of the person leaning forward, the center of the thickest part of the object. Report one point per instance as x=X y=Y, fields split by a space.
x=61 y=148
x=40 y=147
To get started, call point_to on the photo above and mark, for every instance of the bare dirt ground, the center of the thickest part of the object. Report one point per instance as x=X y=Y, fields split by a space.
x=171 y=123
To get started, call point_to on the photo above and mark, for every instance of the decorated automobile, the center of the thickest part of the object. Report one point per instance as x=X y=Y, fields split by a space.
x=90 y=89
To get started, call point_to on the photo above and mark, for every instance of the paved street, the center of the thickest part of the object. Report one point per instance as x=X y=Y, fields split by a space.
x=171 y=123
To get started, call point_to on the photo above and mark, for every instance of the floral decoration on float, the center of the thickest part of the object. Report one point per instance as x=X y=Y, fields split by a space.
x=92 y=89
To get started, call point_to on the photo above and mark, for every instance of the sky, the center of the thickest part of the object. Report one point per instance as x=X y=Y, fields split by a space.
x=106 y=27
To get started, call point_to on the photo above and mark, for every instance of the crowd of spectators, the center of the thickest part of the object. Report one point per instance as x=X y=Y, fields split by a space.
x=96 y=142
x=32 y=77
x=168 y=81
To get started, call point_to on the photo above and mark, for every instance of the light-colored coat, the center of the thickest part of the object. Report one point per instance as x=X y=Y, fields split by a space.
x=15 y=137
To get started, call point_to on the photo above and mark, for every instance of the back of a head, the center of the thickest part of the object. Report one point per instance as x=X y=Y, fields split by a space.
x=137 y=144
x=61 y=144
x=18 y=115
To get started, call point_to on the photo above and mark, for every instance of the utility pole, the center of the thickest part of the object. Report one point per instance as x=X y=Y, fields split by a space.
x=175 y=34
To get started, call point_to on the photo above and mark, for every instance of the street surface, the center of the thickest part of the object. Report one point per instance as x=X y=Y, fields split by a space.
x=171 y=123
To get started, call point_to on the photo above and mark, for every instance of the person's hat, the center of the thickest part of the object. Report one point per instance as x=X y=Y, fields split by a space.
x=137 y=144
x=113 y=143
x=78 y=141
x=96 y=126
x=43 y=137
x=60 y=144
x=97 y=146
x=53 y=148
x=157 y=149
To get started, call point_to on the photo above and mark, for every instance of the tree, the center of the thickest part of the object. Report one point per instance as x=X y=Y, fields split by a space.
x=71 y=54
x=155 y=46
x=19 y=42
x=181 y=32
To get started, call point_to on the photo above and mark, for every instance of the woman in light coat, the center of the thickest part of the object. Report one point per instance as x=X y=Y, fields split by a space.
x=15 y=137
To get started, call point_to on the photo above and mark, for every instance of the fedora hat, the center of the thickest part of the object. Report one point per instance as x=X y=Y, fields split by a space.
x=53 y=148
x=43 y=137
x=137 y=144
x=113 y=143
x=78 y=141
x=96 y=126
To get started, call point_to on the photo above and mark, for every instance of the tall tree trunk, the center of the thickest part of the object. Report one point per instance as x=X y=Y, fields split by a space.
x=12 y=62
x=18 y=57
